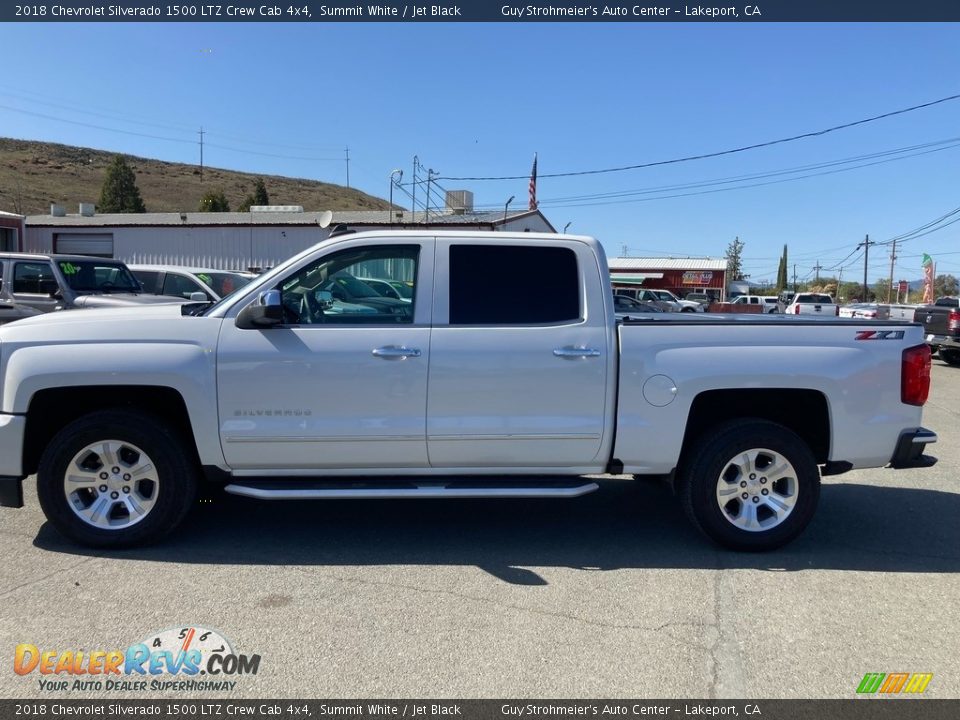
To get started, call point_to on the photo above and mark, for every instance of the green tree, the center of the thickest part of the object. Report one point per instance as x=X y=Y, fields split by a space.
x=881 y=288
x=944 y=285
x=258 y=197
x=119 y=193
x=735 y=260
x=214 y=201
x=782 y=271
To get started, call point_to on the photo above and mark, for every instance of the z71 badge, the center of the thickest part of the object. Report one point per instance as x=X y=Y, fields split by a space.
x=879 y=335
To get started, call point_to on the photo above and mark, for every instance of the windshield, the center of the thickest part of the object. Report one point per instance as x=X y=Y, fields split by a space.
x=98 y=276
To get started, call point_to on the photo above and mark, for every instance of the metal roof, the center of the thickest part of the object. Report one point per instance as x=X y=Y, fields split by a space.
x=347 y=217
x=621 y=264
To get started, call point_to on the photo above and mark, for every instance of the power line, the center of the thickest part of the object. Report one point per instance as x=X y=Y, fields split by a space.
x=167 y=139
x=135 y=121
x=553 y=204
x=744 y=148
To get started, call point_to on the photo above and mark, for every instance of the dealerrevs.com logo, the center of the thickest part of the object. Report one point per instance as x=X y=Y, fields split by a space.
x=185 y=659
x=894 y=683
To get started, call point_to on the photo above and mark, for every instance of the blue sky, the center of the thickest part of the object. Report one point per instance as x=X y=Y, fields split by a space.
x=477 y=100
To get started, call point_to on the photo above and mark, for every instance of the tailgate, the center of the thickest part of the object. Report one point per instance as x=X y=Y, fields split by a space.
x=934 y=319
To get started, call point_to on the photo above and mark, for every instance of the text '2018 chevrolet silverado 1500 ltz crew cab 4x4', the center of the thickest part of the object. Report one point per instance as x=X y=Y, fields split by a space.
x=483 y=385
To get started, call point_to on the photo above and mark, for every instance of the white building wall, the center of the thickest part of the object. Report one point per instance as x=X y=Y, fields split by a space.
x=214 y=247
x=223 y=247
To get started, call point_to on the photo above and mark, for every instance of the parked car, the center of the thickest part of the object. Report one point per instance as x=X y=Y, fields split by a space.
x=813 y=304
x=625 y=306
x=664 y=299
x=347 y=288
x=941 y=327
x=866 y=311
x=472 y=393
x=396 y=289
x=767 y=304
x=185 y=282
x=11 y=312
x=698 y=297
x=58 y=282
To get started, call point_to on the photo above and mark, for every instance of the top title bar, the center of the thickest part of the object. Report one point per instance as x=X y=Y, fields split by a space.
x=491 y=11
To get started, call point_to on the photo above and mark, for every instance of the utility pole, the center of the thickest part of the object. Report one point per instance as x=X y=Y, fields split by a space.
x=431 y=174
x=794 y=277
x=413 y=202
x=347 y=153
x=893 y=257
x=201 y=152
x=866 y=255
x=625 y=250
x=818 y=267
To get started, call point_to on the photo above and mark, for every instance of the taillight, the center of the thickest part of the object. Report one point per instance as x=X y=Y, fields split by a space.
x=915 y=375
x=796 y=309
x=953 y=320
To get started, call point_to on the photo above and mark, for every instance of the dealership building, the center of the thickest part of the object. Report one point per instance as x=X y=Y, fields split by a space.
x=679 y=275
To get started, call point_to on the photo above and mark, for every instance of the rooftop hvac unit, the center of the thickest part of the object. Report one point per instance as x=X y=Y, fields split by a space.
x=459 y=202
x=87 y=209
x=57 y=210
x=277 y=208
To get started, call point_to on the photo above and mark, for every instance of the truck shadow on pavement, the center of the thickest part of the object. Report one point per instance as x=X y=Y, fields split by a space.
x=622 y=526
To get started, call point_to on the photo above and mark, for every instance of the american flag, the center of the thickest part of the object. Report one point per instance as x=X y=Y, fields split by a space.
x=533 y=184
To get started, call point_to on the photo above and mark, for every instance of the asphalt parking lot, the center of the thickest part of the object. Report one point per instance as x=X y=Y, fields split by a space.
x=613 y=594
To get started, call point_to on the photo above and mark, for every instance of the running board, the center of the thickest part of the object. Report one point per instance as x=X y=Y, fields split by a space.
x=309 y=491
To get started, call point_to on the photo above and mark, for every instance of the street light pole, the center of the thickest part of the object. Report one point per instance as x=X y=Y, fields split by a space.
x=566 y=226
x=505 y=207
x=392 y=183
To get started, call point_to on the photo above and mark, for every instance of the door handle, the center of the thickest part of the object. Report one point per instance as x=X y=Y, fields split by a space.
x=576 y=352
x=392 y=352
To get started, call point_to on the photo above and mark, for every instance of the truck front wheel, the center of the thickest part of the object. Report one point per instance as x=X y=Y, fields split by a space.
x=750 y=485
x=116 y=478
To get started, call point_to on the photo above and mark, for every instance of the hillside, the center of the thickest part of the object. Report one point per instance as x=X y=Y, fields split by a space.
x=35 y=174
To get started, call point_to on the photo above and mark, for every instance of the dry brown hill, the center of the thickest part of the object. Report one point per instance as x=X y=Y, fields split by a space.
x=35 y=174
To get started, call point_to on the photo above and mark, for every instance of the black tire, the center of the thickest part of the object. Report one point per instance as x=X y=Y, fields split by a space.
x=707 y=459
x=950 y=357
x=688 y=309
x=174 y=468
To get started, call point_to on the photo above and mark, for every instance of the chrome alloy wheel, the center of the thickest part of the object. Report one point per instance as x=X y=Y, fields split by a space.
x=757 y=490
x=111 y=484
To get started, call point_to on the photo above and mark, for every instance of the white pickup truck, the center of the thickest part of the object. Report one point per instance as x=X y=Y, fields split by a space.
x=485 y=385
x=813 y=304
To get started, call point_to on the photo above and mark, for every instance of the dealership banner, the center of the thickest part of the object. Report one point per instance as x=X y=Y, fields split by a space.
x=184 y=709
x=490 y=11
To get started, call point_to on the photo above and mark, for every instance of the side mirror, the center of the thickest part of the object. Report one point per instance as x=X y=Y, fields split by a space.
x=199 y=296
x=263 y=312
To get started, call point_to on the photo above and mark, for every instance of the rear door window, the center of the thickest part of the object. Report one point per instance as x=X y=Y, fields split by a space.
x=491 y=285
x=35 y=278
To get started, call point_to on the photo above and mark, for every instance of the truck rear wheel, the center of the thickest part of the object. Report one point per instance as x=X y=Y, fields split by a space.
x=750 y=485
x=950 y=357
x=116 y=478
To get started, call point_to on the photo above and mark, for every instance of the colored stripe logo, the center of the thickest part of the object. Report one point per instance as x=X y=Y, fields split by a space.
x=894 y=683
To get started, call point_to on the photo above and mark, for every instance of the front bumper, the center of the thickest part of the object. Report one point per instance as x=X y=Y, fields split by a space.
x=938 y=341
x=910 y=447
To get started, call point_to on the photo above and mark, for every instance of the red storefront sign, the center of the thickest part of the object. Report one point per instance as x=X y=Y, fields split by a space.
x=697 y=277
